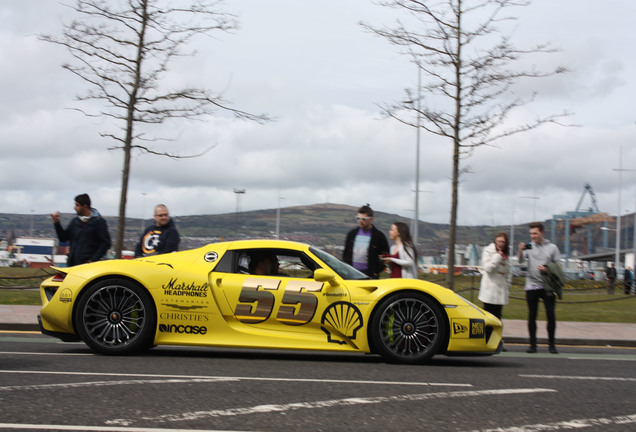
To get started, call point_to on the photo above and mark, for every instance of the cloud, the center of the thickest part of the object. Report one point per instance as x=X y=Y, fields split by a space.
x=313 y=68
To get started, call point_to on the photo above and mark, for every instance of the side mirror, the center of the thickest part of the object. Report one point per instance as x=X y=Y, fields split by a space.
x=323 y=275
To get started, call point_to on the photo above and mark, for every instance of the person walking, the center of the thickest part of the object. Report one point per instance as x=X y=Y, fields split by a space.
x=87 y=233
x=403 y=257
x=610 y=273
x=628 y=279
x=539 y=253
x=162 y=237
x=496 y=275
x=365 y=244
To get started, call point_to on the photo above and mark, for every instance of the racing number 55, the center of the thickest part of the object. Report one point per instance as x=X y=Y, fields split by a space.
x=298 y=304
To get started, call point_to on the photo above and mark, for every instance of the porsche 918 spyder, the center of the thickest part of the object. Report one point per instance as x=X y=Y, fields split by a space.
x=260 y=294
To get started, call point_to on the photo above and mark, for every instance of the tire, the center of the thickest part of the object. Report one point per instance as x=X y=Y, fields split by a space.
x=116 y=317
x=408 y=328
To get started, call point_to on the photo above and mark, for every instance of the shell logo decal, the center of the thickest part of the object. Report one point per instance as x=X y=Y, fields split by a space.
x=341 y=321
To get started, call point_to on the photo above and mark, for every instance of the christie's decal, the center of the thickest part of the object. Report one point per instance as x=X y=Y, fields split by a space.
x=469 y=328
x=191 y=289
x=184 y=316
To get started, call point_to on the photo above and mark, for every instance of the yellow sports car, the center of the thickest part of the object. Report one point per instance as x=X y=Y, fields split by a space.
x=260 y=294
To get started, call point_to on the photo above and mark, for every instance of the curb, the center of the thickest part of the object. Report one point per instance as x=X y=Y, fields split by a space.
x=508 y=339
x=574 y=342
x=19 y=327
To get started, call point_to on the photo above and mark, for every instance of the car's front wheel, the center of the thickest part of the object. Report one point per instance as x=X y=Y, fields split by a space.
x=408 y=328
x=116 y=316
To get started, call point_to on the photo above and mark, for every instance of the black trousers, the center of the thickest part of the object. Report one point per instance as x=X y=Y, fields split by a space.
x=532 y=299
x=494 y=309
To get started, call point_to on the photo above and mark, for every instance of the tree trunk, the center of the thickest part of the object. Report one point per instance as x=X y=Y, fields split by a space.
x=457 y=124
x=121 y=222
x=130 y=123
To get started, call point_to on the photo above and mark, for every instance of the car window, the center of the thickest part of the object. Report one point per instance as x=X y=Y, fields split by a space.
x=343 y=269
x=268 y=262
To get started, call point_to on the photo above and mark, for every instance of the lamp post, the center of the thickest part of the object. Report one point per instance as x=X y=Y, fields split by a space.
x=617 y=250
x=512 y=230
x=634 y=242
x=534 y=206
x=416 y=215
x=143 y=205
x=278 y=217
x=238 y=193
x=417 y=158
x=618 y=213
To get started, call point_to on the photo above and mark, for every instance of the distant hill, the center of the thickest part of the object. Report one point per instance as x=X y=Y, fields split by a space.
x=318 y=224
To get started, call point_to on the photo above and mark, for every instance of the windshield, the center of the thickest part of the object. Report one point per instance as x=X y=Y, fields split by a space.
x=343 y=270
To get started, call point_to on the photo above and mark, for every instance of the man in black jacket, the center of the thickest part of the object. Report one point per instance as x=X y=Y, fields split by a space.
x=364 y=245
x=610 y=272
x=87 y=233
x=160 y=238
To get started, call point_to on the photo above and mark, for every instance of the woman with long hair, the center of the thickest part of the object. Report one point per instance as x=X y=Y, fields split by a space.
x=496 y=275
x=403 y=257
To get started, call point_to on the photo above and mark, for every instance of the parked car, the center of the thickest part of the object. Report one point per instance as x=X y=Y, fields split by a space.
x=470 y=272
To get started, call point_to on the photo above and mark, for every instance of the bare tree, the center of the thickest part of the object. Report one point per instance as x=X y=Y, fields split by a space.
x=469 y=72
x=122 y=50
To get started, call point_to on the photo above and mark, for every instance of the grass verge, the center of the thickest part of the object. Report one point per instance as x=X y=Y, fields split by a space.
x=585 y=301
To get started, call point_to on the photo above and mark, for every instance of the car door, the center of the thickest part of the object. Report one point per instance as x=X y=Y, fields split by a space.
x=288 y=304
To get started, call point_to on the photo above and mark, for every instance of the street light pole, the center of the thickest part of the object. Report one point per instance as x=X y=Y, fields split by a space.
x=634 y=242
x=417 y=159
x=618 y=213
x=278 y=217
x=534 y=206
x=143 y=205
x=238 y=192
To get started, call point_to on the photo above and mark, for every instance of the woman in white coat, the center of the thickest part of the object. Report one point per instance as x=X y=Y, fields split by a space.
x=403 y=257
x=496 y=275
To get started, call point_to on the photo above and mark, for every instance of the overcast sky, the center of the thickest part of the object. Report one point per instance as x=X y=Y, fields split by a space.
x=310 y=65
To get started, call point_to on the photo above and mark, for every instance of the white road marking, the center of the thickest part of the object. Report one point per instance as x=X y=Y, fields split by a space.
x=45 y=354
x=567 y=424
x=222 y=378
x=584 y=378
x=111 y=383
x=15 y=426
x=283 y=408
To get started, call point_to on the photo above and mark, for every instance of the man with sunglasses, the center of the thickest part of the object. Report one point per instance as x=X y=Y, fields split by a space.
x=365 y=245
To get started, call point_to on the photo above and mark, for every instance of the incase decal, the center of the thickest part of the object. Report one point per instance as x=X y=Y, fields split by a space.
x=186 y=329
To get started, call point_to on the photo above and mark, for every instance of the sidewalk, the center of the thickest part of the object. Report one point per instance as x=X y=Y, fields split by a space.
x=24 y=318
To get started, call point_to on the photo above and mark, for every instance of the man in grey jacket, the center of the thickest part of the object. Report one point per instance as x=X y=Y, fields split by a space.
x=539 y=253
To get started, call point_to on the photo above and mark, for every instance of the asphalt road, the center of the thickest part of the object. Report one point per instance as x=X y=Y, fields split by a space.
x=54 y=386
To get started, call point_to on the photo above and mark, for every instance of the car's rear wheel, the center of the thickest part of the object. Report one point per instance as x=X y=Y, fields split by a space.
x=408 y=328
x=116 y=316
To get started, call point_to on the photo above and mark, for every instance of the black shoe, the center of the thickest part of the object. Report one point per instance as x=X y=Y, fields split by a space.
x=532 y=350
x=553 y=350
